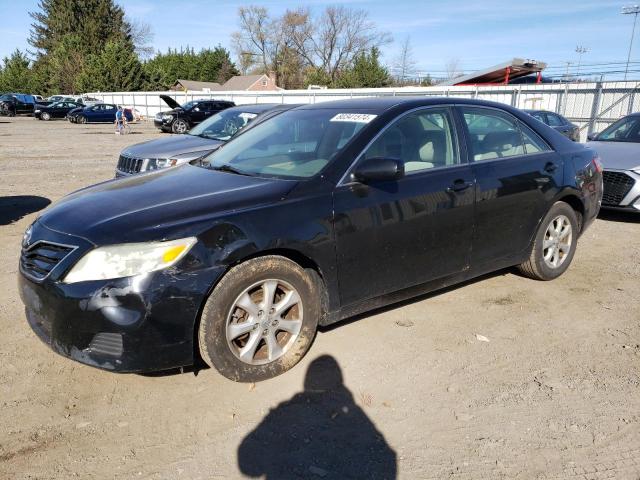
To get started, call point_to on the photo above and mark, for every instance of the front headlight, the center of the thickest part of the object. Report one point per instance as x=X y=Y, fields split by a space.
x=636 y=170
x=36 y=111
x=167 y=117
x=158 y=163
x=128 y=259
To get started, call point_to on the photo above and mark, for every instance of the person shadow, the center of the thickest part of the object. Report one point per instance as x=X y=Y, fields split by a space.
x=318 y=433
x=14 y=208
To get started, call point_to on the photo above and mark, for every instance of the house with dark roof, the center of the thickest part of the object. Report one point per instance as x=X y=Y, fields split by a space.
x=237 y=83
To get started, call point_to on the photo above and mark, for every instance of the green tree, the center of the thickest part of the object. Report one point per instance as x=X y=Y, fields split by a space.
x=96 y=22
x=16 y=74
x=207 y=66
x=116 y=68
x=64 y=66
x=367 y=72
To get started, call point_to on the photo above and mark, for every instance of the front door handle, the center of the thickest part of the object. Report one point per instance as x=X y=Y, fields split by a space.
x=459 y=186
x=550 y=167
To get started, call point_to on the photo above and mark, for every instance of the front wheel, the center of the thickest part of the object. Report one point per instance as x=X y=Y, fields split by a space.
x=45 y=116
x=261 y=319
x=554 y=245
x=180 y=126
x=81 y=119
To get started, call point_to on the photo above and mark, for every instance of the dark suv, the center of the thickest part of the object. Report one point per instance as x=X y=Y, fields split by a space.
x=12 y=104
x=181 y=118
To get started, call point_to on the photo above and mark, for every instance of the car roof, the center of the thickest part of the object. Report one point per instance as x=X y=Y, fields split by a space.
x=381 y=104
x=261 y=107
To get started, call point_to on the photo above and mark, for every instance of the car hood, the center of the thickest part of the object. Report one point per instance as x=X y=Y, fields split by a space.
x=170 y=101
x=171 y=203
x=617 y=155
x=168 y=147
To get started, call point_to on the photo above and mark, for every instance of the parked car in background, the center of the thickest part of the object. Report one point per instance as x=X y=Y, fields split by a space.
x=312 y=216
x=558 y=123
x=54 y=110
x=181 y=118
x=12 y=104
x=99 y=113
x=619 y=148
x=200 y=141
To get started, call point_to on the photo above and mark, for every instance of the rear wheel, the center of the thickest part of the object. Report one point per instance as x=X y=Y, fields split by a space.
x=180 y=126
x=554 y=245
x=261 y=319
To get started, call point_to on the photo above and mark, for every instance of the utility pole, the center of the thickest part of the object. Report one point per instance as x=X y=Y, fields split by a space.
x=580 y=50
x=566 y=73
x=630 y=10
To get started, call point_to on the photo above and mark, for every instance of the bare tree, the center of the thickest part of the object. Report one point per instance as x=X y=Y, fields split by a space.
x=297 y=41
x=453 y=68
x=253 y=42
x=405 y=64
x=142 y=37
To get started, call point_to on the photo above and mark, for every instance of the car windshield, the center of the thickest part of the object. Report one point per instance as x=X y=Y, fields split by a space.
x=6 y=97
x=624 y=130
x=294 y=144
x=224 y=125
x=190 y=105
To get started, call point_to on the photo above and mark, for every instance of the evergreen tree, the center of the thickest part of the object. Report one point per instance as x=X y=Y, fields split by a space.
x=16 y=74
x=367 y=72
x=116 y=68
x=96 y=22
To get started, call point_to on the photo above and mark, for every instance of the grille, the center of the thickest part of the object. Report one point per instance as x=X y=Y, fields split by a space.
x=41 y=258
x=129 y=164
x=616 y=187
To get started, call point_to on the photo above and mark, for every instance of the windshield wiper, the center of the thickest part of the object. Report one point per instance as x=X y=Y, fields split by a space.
x=230 y=169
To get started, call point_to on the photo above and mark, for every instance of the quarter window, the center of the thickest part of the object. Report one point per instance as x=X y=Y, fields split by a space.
x=422 y=140
x=532 y=142
x=492 y=134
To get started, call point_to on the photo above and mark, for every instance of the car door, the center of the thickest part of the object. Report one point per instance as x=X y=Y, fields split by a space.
x=108 y=113
x=517 y=174
x=198 y=113
x=395 y=234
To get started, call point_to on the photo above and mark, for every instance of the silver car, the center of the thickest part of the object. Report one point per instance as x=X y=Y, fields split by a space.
x=619 y=150
x=198 y=142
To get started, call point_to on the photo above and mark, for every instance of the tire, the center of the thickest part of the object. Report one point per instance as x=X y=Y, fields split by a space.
x=45 y=116
x=81 y=119
x=221 y=345
x=548 y=244
x=179 y=126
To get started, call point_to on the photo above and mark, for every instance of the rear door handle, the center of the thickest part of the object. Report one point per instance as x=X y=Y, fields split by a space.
x=550 y=167
x=459 y=185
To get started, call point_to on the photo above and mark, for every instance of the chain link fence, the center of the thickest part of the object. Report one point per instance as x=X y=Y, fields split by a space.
x=591 y=106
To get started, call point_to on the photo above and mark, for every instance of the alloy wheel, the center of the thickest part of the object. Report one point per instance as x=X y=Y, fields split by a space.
x=557 y=241
x=180 y=126
x=264 y=321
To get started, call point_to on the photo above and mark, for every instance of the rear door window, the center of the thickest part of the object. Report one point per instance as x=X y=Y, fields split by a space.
x=492 y=134
x=555 y=120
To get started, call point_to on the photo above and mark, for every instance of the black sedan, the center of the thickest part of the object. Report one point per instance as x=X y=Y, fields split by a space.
x=54 y=110
x=558 y=123
x=315 y=215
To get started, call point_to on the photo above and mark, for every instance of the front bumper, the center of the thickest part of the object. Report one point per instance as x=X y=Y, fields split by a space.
x=135 y=324
x=163 y=125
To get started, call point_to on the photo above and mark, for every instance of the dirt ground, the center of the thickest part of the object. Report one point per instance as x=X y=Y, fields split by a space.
x=503 y=377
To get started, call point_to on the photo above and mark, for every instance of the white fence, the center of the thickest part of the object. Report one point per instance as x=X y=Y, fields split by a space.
x=591 y=106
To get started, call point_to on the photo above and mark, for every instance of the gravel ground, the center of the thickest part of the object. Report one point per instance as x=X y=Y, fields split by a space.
x=502 y=377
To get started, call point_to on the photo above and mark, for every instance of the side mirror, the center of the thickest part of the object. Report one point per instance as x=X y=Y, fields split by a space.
x=592 y=136
x=378 y=169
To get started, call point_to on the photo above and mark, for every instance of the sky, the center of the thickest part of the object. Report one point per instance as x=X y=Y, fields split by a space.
x=477 y=34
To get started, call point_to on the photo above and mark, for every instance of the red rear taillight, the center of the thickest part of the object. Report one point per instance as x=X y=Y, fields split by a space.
x=597 y=164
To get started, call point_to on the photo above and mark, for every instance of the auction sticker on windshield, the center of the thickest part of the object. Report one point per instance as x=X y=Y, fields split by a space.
x=353 y=117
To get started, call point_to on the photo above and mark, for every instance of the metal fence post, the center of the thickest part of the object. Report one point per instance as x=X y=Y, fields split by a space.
x=594 y=108
x=632 y=99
